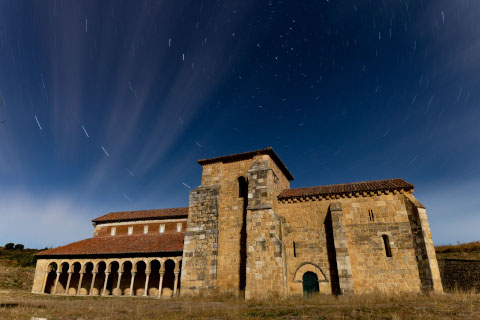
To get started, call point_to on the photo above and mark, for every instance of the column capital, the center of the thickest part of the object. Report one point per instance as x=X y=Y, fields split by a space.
x=70 y=272
x=94 y=272
x=176 y=273
x=162 y=273
x=134 y=273
x=147 y=273
x=107 y=273
x=58 y=272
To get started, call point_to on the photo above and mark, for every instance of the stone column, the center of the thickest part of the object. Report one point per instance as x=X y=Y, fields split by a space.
x=147 y=277
x=340 y=240
x=45 y=281
x=80 y=283
x=56 y=282
x=118 y=282
x=105 y=282
x=160 y=285
x=131 y=283
x=175 y=284
x=93 y=283
x=68 y=281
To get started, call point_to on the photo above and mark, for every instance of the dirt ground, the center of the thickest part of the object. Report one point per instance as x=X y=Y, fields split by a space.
x=20 y=304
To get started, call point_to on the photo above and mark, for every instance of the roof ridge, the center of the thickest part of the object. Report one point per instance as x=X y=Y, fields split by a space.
x=347 y=183
x=250 y=154
x=347 y=188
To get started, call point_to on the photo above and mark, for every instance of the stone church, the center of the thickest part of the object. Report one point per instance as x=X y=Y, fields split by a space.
x=247 y=232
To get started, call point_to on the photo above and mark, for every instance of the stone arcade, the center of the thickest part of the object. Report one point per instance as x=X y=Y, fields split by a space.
x=245 y=231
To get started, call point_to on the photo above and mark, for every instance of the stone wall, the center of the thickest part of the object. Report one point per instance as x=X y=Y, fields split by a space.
x=266 y=256
x=319 y=240
x=200 y=251
x=460 y=274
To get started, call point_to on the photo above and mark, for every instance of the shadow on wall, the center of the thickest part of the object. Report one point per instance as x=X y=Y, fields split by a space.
x=332 y=256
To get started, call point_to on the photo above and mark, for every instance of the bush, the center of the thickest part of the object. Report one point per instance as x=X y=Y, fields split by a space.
x=9 y=246
x=19 y=246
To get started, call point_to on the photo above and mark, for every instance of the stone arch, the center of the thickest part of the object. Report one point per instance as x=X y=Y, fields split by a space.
x=113 y=268
x=75 y=270
x=309 y=267
x=168 y=277
x=51 y=276
x=86 y=276
x=154 y=280
x=98 y=281
x=64 y=268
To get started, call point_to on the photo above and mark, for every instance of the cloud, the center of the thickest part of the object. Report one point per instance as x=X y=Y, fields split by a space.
x=39 y=222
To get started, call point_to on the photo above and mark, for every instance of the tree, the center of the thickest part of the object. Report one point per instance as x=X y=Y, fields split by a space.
x=19 y=246
x=9 y=246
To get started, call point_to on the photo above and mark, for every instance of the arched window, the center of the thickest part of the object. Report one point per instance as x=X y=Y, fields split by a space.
x=386 y=243
x=242 y=187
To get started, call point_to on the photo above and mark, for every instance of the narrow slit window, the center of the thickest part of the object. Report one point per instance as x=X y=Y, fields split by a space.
x=145 y=229
x=179 y=227
x=113 y=230
x=242 y=187
x=130 y=230
x=294 y=249
x=162 y=228
x=371 y=217
x=386 y=243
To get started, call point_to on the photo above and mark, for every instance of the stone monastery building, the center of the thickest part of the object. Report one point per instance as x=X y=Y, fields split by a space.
x=245 y=231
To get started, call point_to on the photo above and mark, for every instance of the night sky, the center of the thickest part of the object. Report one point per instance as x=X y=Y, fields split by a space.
x=107 y=105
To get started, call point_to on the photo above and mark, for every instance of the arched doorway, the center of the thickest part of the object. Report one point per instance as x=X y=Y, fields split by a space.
x=310 y=284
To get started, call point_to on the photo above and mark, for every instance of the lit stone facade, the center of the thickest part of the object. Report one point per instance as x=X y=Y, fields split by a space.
x=247 y=232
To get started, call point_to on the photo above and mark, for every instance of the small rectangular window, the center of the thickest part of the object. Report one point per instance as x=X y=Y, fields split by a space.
x=371 y=217
x=145 y=229
x=130 y=230
x=113 y=230
x=294 y=249
x=162 y=228
x=179 y=227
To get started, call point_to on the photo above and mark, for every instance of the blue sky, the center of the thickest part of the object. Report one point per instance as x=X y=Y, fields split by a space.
x=108 y=105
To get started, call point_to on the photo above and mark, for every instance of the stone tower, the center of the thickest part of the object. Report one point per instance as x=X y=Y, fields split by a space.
x=233 y=240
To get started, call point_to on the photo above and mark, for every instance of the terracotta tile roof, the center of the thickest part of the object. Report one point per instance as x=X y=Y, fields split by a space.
x=367 y=186
x=143 y=215
x=141 y=243
x=249 y=155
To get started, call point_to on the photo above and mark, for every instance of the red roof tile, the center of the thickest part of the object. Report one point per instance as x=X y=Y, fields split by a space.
x=143 y=215
x=367 y=186
x=141 y=243
x=249 y=155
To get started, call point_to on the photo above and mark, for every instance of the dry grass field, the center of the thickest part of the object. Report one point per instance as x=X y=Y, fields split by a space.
x=16 y=302
x=19 y=304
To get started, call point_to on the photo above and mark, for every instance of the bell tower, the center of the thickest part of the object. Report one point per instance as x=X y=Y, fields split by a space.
x=233 y=236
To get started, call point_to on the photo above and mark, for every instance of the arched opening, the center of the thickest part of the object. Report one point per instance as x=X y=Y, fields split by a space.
x=386 y=244
x=111 y=287
x=154 y=280
x=63 y=279
x=243 y=194
x=168 y=278
x=99 y=280
x=140 y=278
x=75 y=278
x=124 y=287
x=51 y=277
x=310 y=284
x=87 y=279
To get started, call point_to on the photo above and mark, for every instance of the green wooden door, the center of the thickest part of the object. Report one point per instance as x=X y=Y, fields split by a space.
x=310 y=284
